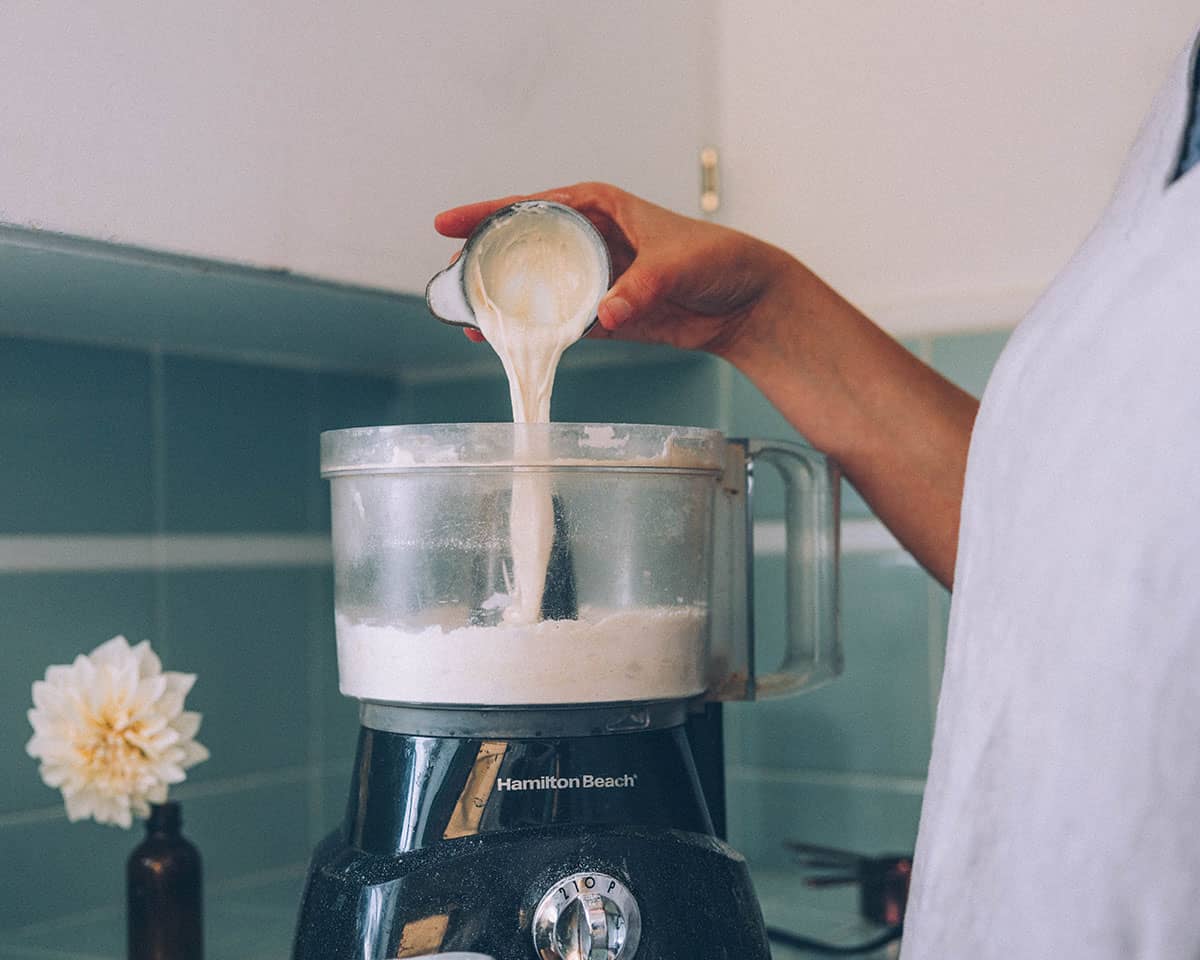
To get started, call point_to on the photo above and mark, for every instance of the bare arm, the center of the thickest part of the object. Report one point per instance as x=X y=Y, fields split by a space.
x=898 y=428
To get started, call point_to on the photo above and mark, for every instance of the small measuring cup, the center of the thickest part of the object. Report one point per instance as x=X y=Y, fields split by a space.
x=447 y=294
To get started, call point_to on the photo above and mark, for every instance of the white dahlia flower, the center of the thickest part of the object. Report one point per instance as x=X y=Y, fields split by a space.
x=111 y=732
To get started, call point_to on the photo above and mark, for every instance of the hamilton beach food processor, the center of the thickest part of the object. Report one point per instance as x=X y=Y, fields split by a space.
x=524 y=786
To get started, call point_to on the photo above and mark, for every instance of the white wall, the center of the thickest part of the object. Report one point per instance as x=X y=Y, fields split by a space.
x=937 y=160
x=323 y=137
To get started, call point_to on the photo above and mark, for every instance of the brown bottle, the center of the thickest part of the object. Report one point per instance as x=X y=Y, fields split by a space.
x=164 y=891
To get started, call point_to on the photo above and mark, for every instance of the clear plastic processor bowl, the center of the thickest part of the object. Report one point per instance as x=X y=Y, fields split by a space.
x=647 y=549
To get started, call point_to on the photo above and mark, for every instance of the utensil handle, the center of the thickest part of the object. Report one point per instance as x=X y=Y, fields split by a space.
x=812 y=645
x=813 y=651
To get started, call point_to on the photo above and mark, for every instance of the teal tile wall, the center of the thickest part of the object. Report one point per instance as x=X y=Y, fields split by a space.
x=683 y=393
x=878 y=717
x=337 y=724
x=243 y=833
x=249 y=918
x=477 y=399
x=249 y=830
x=335 y=795
x=348 y=401
x=107 y=441
x=238 y=447
x=244 y=633
x=82 y=416
x=53 y=869
x=968 y=358
x=178 y=444
x=868 y=815
x=751 y=414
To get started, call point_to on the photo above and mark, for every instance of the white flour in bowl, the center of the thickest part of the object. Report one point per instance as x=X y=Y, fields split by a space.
x=651 y=653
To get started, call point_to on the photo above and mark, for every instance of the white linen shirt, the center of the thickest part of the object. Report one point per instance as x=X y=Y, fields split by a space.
x=1062 y=811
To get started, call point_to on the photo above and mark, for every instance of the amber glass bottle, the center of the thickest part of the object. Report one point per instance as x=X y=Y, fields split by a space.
x=164 y=892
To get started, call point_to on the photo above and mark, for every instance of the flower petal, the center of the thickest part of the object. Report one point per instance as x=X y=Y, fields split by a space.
x=79 y=806
x=47 y=696
x=171 y=773
x=148 y=663
x=53 y=775
x=187 y=724
x=193 y=753
x=178 y=685
x=149 y=689
x=156 y=794
x=112 y=652
x=60 y=675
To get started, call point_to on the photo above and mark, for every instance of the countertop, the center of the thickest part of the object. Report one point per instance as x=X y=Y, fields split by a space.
x=254 y=920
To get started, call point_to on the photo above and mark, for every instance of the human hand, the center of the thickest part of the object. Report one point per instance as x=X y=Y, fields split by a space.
x=678 y=281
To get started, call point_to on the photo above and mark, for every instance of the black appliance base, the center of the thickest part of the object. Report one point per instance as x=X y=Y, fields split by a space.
x=451 y=841
x=479 y=894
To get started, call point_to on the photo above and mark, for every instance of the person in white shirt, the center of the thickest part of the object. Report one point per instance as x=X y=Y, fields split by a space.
x=1062 y=812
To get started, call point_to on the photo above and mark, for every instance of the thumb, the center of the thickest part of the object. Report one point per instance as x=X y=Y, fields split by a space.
x=636 y=293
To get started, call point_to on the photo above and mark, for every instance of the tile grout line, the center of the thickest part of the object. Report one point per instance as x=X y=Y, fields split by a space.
x=243 y=881
x=162 y=552
x=867 y=535
x=312 y=498
x=220 y=888
x=22 y=951
x=55 y=924
x=32 y=817
x=215 y=551
x=205 y=789
x=158 y=486
x=724 y=397
x=403 y=400
x=315 y=654
x=186 y=791
x=827 y=778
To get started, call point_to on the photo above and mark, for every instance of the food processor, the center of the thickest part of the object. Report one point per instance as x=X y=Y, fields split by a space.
x=524 y=786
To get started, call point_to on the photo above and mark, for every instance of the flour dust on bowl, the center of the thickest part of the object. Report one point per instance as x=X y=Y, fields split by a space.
x=533 y=616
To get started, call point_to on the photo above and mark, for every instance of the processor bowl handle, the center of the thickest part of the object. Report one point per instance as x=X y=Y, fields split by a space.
x=812 y=652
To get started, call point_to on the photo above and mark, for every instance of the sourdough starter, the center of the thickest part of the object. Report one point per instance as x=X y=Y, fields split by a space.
x=533 y=287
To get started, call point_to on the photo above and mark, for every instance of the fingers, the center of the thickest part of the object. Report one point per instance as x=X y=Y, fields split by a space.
x=638 y=290
x=615 y=213
x=460 y=221
x=594 y=199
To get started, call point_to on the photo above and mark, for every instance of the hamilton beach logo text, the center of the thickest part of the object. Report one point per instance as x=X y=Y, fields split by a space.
x=587 y=781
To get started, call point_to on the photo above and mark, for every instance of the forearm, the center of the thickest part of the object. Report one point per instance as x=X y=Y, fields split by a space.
x=899 y=430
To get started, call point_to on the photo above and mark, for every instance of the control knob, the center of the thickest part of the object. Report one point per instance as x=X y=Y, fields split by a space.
x=587 y=916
